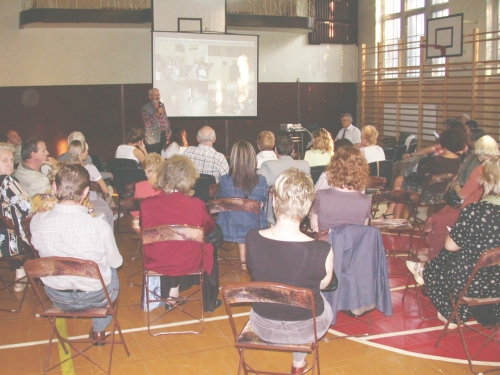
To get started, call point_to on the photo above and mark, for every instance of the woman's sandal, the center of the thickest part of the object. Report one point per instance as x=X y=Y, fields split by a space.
x=386 y=216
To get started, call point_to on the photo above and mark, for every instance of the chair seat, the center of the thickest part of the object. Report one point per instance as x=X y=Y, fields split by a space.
x=248 y=337
x=481 y=301
x=392 y=224
x=94 y=312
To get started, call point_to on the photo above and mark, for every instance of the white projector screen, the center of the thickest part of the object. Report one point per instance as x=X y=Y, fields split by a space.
x=206 y=75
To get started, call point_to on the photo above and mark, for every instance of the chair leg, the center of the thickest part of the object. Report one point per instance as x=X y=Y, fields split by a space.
x=134 y=259
x=8 y=287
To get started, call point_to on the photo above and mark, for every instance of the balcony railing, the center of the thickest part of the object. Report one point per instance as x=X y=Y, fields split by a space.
x=291 y=8
x=87 y=4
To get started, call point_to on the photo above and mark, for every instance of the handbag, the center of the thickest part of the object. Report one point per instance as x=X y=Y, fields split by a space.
x=453 y=200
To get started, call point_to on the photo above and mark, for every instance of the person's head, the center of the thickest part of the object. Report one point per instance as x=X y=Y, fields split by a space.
x=76 y=136
x=490 y=178
x=135 y=135
x=206 y=136
x=14 y=138
x=453 y=140
x=178 y=173
x=474 y=135
x=369 y=135
x=152 y=165
x=346 y=120
x=34 y=151
x=452 y=123
x=340 y=143
x=77 y=151
x=284 y=145
x=293 y=195
x=471 y=124
x=6 y=159
x=322 y=140
x=154 y=94
x=486 y=147
x=243 y=166
x=71 y=184
x=348 y=169
x=54 y=169
x=179 y=136
x=463 y=118
x=265 y=141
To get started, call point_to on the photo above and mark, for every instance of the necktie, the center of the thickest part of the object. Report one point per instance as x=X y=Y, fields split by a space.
x=343 y=134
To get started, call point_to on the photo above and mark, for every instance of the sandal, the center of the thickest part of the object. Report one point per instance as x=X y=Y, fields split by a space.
x=386 y=216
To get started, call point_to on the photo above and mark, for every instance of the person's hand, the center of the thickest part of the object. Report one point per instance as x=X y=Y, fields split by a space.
x=406 y=157
x=50 y=161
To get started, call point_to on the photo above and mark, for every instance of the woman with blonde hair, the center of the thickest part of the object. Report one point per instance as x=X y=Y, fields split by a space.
x=344 y=202
x=370 y=149
x=242 y=182
x=322 y=149
x=134 y=148
x=148 y=188
x=77 y=153
x=285 y=255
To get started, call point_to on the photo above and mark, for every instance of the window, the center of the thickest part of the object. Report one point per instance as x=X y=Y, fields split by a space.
x=406 y=20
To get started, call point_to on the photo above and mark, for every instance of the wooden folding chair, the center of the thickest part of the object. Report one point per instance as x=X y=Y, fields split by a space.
x=169 y=235
x=234 y=205
x=246 y=338
x=63 y=266
x=488 y=258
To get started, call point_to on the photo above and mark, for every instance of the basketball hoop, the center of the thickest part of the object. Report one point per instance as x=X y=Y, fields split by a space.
x=442 y=49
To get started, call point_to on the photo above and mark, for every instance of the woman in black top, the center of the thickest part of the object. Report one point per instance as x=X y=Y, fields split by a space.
x=283 y=254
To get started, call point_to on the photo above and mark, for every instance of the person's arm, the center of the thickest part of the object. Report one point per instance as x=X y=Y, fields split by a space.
x=113 y=256
x=148 y=119
x=140 y=152
x=425 y=151
x=329 y=270
x=471 y=185
x=451 y=245
x=313 y=222
x=103 y=186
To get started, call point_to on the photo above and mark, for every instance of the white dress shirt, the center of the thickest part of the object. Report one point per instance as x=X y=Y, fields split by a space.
x=352 y=133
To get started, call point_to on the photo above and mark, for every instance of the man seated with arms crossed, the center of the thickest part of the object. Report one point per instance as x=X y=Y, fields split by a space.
x=69 y=231
x=29 y=172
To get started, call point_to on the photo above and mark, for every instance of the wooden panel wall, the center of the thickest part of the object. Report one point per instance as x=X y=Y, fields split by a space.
x=96 y=110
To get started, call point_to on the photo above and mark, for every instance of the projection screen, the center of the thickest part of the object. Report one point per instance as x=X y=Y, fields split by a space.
x=206 y=75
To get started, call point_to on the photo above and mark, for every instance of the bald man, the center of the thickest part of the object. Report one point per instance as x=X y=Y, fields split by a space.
x=14 y=139
x=204 y=156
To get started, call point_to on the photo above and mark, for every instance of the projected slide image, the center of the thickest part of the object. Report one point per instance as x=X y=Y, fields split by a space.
x=206 y=75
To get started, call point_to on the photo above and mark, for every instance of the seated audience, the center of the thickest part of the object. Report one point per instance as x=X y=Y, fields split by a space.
x=175 y=205
x=14 y=139
x=471 y=124
x=463 y=118
x=339 y=143
x=206 y=159
x=372 y=152
x=15 y=205
x=475 y=231
x=242 y=182
x=265 y=143
x=29 y=173
x=283 y=254
x=177 y=143
x=148 y=188
x=451 y=142
x=322 y=182
x=69 y=231
x=77 y=153
x=322 y=149
x=349 y=131
x=134 y=148
x=344 y=201
x=471 y=161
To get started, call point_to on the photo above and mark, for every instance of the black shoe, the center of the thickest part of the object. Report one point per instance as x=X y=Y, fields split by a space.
x=218 y=304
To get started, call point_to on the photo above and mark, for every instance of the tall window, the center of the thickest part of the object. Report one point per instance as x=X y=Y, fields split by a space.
x=406 y=20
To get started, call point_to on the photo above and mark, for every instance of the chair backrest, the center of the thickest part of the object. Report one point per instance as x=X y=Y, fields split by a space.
x=172 y=233
x=448 y=178
x=412 y=147
x=316 y=172
x=62 y=266
x=124 y=176
x=382 y=168
x=235 y=204
x=97 y=161
x=398 y=154
x=114 y=163
x=202 y=187
x=375 y=182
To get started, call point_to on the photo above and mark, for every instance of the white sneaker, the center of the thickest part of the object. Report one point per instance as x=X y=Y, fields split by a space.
x=115 y=216
x=444 y=320
x=20 y=274
x=416 y=270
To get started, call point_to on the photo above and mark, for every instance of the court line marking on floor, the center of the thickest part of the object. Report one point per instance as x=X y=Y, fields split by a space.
x=67 y=367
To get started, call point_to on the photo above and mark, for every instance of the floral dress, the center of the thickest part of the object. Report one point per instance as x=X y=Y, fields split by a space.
x=476 y=230
x=15 y=205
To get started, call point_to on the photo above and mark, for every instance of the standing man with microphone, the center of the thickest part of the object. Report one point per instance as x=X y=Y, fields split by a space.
x=156 y=124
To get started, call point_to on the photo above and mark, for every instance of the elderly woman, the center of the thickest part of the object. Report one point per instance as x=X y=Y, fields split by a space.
x=372 y=152
x=175 y=205
x=475 y=231
x=177 y=143
x=15 y=205
x=242 y=182
x=152 y=165
x=77 y=153
x=343 y=202
x=285 y=255
x=322 y=149
x=134 y=148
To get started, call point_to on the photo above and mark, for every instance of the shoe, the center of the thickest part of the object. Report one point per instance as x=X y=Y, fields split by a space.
x=218 y=304
x=170 y=305
x=299 y=370
x=444 y=320
x=20 y=274
x=115 y=216
x=386 y=216
x=416 y=270
x=97 y=336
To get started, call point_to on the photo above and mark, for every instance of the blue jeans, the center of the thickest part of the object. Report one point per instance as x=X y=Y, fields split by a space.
x=82 y=300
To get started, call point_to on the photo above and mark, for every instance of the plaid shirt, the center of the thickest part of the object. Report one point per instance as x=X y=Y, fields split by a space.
x=208 y=161
x=153 y=123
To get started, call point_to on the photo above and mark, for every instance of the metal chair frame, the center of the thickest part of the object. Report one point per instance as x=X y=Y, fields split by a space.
x=64 y=266
x=248 y=293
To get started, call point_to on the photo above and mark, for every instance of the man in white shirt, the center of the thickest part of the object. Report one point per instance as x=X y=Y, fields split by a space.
x=68 y=230
x=349 y=131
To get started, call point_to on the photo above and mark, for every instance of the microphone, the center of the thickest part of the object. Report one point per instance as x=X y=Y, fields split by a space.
x=160 y=104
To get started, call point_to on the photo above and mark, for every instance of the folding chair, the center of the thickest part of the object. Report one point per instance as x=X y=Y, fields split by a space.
x=248 y=293
x=132 y=219
x=382 y=169
x=169 y=235
x=316 y=172
x=63 y=266
x=122 y=178
x=488 y=258
x=234 y=205
x=375 y=184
